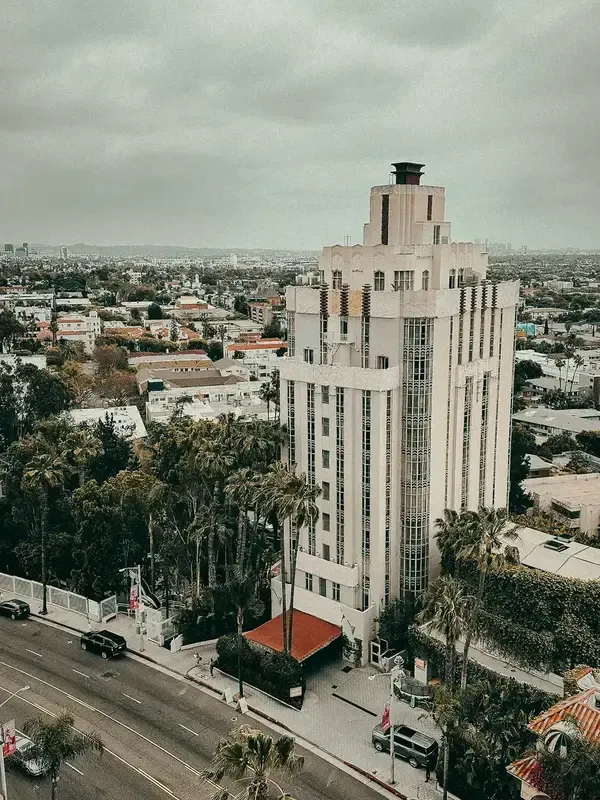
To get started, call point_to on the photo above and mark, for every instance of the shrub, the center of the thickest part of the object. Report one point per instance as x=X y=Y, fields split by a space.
x=274 y=673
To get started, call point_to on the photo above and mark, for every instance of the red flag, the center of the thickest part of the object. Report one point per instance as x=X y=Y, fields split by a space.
x=385 y=718
x=133 y=597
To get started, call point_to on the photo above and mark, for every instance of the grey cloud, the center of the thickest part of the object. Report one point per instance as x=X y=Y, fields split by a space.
x=265 y=123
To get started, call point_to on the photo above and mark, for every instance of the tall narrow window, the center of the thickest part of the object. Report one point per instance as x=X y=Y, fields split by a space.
x=429 y=207
x=326 y=490
x=308 y=581
x=425 y=279
x=326 y=522
x=324 y=394
x=335 y=592
x=436 y=234
x=325 y=459
x=309 y=355
x=385 y=217
x=322 y=587
x=325 y=426
x=336 y=279
x=379 y=282
x=452 y=279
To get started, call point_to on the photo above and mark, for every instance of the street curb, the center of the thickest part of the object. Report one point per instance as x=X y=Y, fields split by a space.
x=378 y=783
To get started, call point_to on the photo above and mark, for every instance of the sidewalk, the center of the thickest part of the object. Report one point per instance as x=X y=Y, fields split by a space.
x=340 y=709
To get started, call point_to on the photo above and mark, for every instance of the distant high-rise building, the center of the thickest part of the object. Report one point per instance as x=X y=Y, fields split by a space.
x=9 y=248
x=524 y=250
x=26 y=248
x=396 y=398
x=63 y=253
x=233 y=260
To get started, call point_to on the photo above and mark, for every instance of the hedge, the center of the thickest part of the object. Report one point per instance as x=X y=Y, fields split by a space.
x=540 y=619
x=274 y=673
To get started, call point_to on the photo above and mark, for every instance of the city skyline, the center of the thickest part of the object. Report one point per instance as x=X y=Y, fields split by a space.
x=177 y=124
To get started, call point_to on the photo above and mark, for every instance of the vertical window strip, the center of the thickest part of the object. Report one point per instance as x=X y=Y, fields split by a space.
x=385 y=217
x=449 y=412
x=366 y=485
x=291 y=422
x=415 y=454
x=464 y=494
x=310 y=469
x=482 y=334
x=484 y=435
x=388 y=492
x=339 y=467
x=498 y=382
x=291 y=323
x=365 y=342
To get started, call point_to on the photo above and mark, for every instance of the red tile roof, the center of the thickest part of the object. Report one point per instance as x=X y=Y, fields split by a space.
x=576 y=707
x=311 y=634
x=522 y=768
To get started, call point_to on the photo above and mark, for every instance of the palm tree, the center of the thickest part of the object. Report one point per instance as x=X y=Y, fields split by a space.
x=453 y=529
x=446 y=609
x=56 y=741
x=491 y=525
x=268 y=395
x=578 y=362
x=82 y=446
x=560 y=363
x=222 y=333
x=242 y=590
x=445 y=713
x=53 y=328
x=292 y=498
x=251 y=757
x=45 y=471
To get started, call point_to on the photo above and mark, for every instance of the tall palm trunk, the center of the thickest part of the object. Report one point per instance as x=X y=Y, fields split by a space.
x=283 y=589
x=81 y=476
x=197 y=565
x=293 y=560
x=450 y=653
x=240 y=633
x=44 y=544
x=446 y=746
x=151 y=545
x=54 y=789
x=471 y=627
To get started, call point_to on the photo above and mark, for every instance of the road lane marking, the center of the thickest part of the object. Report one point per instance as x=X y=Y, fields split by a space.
x=39 y=655
x=189 y=730
x=155 y=782
x=187 y=766
x=81 y=673
x=129 y=697
x=78 y=771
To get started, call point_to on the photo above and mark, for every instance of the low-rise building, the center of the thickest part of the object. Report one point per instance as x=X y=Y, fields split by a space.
x=178 y=361
x=573 y=499
x=549 y=421
x=127 y=419
x=260 y=311
x=12 y=360
x=259 y=357
x=555 y=729
x=555 y=554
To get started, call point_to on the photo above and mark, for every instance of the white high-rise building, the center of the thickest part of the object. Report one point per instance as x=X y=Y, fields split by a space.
x=397 y=399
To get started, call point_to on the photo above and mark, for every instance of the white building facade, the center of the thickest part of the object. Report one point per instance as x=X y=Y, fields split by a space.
x=396 y=394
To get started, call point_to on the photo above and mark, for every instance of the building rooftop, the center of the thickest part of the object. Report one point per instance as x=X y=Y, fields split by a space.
x=540 y=550
x=311 y=634
x=571 y=420
x=572 y=491
x=127 y=419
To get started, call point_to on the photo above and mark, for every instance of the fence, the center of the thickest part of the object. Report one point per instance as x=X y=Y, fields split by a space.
x=61 y=598
x=158 y=629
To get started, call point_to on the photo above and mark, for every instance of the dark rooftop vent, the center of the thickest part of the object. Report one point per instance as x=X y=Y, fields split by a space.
x=556 y=545
x=406 y=172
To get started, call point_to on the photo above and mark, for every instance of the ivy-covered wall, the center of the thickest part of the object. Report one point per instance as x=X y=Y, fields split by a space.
x=541 y=620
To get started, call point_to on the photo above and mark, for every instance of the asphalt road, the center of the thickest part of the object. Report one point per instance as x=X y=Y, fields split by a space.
x=159 y=731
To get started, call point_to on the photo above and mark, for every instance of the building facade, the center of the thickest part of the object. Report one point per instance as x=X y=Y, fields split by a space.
x=396 y=394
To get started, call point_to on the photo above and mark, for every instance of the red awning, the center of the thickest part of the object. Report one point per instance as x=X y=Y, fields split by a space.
x=311 y=634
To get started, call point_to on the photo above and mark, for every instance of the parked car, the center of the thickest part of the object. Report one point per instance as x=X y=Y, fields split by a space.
x=24 y=759
x=107 y=643
x=15 y=609
x=417 y=748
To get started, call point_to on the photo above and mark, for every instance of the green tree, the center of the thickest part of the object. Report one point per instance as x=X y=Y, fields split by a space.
x=252 y=758
x=293 y=499
x=242 y=589
x=10 y=329
x=268 y=394
x=522 y=444
x=272 y=330
x=116 y=454
x=526 y=370
x=44 y=472
x=445 y=713
x=56 y=742
x=81 y=448
x=447 y=610
x=589 y=441
x=484 y=543
x=154 y=311
x=395 y=620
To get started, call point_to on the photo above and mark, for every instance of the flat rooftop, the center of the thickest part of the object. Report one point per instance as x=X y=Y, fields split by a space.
x=573 y=491
x=545 y=552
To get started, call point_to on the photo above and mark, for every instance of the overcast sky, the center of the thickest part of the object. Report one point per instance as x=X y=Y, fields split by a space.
x=264 y=123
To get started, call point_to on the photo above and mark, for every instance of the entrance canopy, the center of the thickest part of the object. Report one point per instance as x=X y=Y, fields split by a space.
x=311 y=634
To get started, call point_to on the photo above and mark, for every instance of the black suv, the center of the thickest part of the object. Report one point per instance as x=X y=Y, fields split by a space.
x=15 y=609
x=107 y=643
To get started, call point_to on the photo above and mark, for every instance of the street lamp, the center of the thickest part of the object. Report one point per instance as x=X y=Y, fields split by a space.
x=394 y=673
x=2 y=770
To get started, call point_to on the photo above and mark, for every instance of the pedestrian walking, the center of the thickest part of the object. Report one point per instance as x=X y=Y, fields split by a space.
x=427 y=772
x=211 y=667
x=198 y=659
